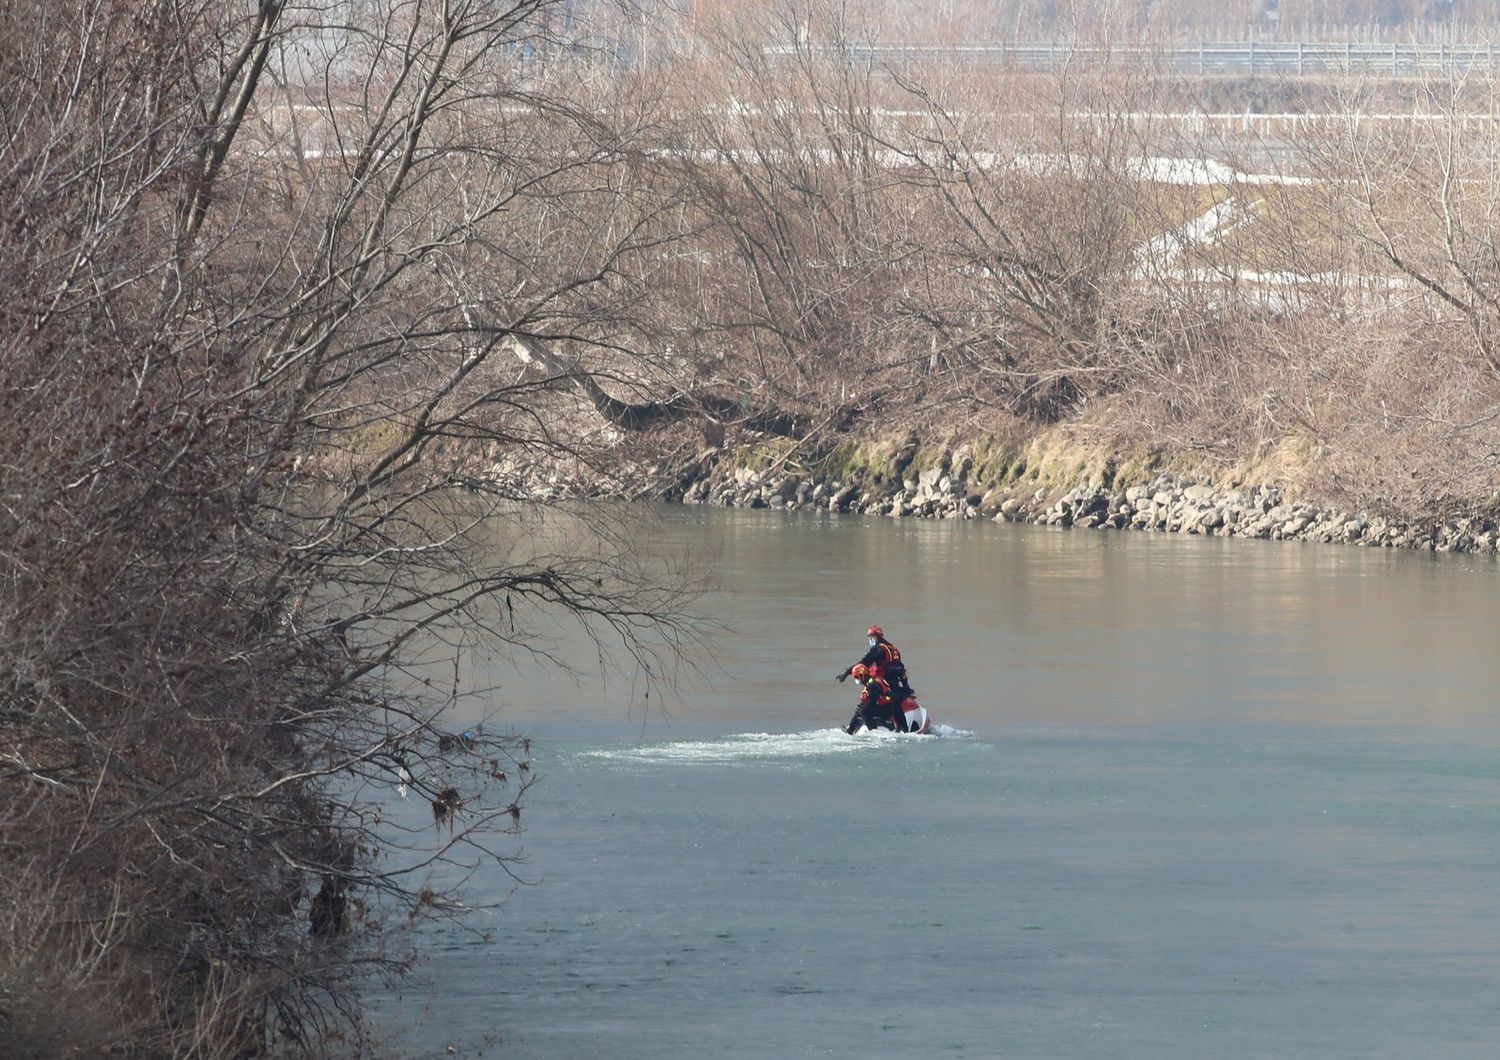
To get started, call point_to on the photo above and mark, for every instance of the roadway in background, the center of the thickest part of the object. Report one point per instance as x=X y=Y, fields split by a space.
x=1235 y=58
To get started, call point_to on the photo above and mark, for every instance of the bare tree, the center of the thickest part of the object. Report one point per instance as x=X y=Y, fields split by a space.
x=1409 y=201
x=305 y=299
x=805 y=238
x=255 y=398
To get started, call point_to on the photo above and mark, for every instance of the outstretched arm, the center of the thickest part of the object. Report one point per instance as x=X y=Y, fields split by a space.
x=873 y=656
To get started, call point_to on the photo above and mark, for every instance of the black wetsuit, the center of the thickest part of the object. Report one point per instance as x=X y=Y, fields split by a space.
x=878 y=708
x=884 y=658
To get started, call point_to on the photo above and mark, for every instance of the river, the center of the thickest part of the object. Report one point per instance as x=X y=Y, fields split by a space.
x=1192 y=798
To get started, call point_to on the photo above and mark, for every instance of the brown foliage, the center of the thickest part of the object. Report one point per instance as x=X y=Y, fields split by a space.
x=205 y=658
x=241 y=246
x=884 y=243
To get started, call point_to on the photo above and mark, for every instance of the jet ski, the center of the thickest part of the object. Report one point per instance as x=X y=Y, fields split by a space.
x=917 y=721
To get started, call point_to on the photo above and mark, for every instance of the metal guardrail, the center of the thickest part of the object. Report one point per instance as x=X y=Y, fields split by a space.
x=1205 y=58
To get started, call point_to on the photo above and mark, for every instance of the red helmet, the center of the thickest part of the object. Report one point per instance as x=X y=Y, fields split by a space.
x=875 y=631
x=859 y=671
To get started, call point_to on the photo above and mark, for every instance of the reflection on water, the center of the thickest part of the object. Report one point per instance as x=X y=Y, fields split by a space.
x=1007 y=625
x=1203 y=798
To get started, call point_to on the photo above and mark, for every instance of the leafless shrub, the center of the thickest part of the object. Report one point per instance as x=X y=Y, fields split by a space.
x=297 y=302
x=210 y=660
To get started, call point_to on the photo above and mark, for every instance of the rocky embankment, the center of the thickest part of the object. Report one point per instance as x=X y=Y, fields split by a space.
x=1166 y=502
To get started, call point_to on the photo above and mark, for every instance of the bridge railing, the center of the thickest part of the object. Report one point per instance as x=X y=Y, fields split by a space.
x=1204 y=58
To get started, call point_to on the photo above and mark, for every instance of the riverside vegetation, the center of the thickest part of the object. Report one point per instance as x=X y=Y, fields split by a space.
x=316 y=317
x=1159 y=501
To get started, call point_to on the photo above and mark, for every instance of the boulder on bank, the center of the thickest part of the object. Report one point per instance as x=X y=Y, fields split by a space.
x=965 y=486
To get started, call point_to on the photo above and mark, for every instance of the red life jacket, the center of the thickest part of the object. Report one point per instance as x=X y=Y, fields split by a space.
x=877 y=693
x=890 y=659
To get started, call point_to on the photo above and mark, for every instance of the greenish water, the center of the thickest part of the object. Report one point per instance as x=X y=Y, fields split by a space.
x=1193 y=798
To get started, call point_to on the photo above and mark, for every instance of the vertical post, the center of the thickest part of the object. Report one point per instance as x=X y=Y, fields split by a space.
x=1395 y=65
x=1300 y=46
x=1252 y=56
x=1200 y=58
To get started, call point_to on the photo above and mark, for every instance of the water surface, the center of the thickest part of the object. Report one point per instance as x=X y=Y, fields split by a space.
x=1193 y=798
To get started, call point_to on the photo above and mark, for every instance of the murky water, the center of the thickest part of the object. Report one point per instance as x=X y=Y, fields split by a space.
x=1193 y=798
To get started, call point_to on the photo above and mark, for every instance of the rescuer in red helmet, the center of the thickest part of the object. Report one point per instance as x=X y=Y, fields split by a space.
x=884 y=661
x=878 y=706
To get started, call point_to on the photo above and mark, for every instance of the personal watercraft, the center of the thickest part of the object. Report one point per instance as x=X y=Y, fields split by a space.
x=917 y=721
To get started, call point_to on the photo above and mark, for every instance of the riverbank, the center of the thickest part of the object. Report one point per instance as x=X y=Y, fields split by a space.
x=1050 y=479
x=1106 y=494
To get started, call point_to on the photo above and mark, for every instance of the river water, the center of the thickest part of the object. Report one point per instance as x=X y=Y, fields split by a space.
x=1191 y=798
